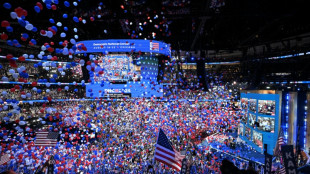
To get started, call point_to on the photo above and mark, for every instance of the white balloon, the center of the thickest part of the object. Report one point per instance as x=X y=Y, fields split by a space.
x=84 y=21
x=25 y=55
x=15 y=75
x=11 y=71
x=29 y=27
x=72 y=41
x=63 y=73
x=59 y=24
x=63 y=34
x=43 y=48
x=76 y=36
x=49 y=34
x=75 y=29
x=13 y=15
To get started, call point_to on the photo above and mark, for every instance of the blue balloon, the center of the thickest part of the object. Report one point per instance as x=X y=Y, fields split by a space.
x=37 y=9
x=75 y=19
x=52 y=21
x=67 y=4
x=48 y=6
x=9 y=42
x=22 y=22
x=54 y=28
x=7 y=5
x=25 y=35
x=65 y=16
x=9 y=29
x=66 y=28
x=34 y=29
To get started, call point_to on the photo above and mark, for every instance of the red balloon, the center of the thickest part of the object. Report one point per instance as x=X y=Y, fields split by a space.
x=92 y=19
x=50 y=49
x=9 y=56
x=52 y=43
x=19 y=11
x=43 y=32
x=23 y=39
x=21 y=58
x=54 y=7
x=39 y=5
x=25 y=13
x=34 y=83
x=5 y=23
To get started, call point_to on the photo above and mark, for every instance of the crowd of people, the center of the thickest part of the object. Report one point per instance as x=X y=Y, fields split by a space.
x=110 y=135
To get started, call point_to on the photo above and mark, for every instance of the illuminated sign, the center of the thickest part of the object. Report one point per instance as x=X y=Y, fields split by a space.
x=123 y=45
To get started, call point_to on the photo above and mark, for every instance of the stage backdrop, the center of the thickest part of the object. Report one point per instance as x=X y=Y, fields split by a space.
x=260 y=120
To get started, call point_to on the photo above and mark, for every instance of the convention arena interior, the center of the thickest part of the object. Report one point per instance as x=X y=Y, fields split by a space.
x=154 y=87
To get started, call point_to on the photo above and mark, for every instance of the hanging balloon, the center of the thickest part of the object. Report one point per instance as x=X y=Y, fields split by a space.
x=65 y=16
x=59 y=24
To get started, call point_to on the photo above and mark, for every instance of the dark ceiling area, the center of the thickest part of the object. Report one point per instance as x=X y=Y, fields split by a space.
x=187 y=25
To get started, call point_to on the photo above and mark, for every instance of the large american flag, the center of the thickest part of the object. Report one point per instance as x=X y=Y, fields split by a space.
x=165 y=153
x=280 y=142
x=45 y=138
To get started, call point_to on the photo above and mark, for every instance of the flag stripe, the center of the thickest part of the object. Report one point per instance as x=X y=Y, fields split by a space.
x=172 y=161
x=45 y=138
x=166 y=154
x=174 y=166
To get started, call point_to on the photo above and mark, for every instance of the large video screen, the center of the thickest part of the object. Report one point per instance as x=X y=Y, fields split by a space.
x=244 y=104
x=252 y=119
x=258 y=138
x=117 y=67
x=266 y=124
x=247 y=133
x=252 y=105
x=267 y=107
x=244 y=117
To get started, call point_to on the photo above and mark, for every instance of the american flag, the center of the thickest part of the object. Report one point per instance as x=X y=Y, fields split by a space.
x=45 y=138
x=165 y=153
x=154 y=46
x=280 y=142
x=281 y=170
x=4 y=159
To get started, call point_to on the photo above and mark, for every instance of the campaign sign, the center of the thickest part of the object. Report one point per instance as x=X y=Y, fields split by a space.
x=289 y=159
x=268 y=163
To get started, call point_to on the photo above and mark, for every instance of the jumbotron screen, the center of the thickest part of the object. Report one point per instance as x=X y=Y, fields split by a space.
x=118 y=67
